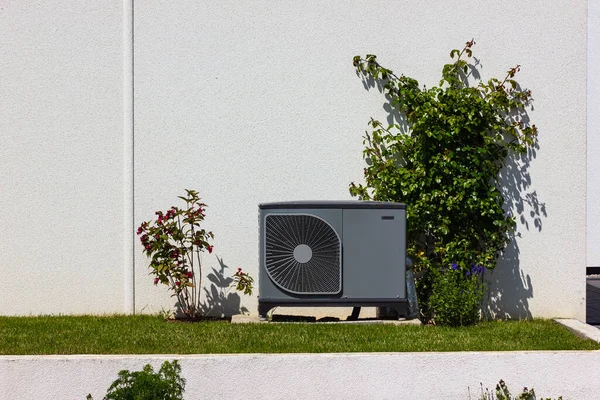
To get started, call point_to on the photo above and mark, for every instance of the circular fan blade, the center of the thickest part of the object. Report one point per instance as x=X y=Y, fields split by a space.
x=302 y=254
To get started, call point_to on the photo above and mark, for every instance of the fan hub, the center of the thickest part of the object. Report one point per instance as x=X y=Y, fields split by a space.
x=302 y=253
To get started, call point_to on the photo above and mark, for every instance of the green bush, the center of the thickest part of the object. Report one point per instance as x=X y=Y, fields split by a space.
x=442 y=157
x=148 y=385
x=456 y=296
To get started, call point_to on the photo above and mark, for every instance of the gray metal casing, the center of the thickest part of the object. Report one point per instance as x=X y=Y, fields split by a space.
x=373 y=253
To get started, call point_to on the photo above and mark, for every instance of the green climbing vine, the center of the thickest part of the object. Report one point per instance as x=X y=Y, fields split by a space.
x=442 y=157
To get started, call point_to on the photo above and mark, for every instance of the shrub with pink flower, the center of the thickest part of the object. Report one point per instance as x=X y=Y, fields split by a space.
x=174 y=243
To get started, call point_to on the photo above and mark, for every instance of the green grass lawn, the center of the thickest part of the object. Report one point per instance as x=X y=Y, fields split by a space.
x=153 y=335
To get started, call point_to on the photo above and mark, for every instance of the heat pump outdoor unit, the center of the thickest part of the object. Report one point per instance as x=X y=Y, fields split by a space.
x=325 y=253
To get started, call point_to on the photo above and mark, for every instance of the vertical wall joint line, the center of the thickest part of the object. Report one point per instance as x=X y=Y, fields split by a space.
x=128 y=160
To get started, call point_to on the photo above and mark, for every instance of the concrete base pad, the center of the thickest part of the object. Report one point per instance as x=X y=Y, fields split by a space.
x=245 y=319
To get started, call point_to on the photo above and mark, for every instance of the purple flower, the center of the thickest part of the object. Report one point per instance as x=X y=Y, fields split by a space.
x=477 y=269
x=468 y=273
x=454 y=266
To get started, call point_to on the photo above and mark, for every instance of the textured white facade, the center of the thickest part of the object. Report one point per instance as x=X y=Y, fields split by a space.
x=61 y=156
x=316 y=376
x=256 y=102
x=593 y=136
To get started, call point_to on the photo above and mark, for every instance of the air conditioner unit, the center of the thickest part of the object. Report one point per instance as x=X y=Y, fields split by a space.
x=325 y=253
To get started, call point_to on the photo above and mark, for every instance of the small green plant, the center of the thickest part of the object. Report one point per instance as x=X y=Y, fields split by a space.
x=442 y=157
x=502 y=393
x=174 y=243
x=456 y=296
x=166 y=384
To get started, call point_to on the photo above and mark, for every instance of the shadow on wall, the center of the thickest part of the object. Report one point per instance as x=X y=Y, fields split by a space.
x=510 y=289
x=219 y=301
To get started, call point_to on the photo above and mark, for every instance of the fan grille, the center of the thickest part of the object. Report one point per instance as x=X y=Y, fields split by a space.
x=302 y=254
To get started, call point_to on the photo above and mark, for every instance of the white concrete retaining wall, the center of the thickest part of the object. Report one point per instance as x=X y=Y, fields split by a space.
x=249 y=103
x=574 y=375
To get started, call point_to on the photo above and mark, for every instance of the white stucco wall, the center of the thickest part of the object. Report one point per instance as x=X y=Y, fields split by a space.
x=248 y=103
x=593 y=136
x=61 y=157
x=256 y=102
x=316 y=376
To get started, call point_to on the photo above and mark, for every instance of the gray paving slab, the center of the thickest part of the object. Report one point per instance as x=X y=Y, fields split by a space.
x=585 y=331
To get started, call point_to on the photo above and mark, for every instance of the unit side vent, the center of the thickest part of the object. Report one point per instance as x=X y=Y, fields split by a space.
x=302 y=254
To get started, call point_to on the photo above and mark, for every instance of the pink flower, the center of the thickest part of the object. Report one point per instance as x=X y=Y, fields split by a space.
x=210 y=249
x=189 y=274
x=156 y=281
x=178 y=283
x=139 y=231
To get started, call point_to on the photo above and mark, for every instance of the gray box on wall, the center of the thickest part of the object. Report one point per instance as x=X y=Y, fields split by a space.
x=332 y=253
